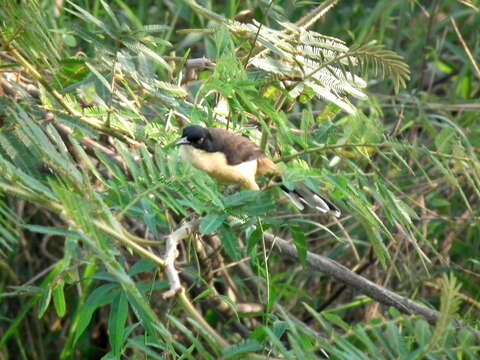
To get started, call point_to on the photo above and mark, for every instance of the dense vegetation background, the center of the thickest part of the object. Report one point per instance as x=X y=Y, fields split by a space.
x=372 y=103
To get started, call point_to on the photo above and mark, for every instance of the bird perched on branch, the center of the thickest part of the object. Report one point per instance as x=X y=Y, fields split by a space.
x=233 y=159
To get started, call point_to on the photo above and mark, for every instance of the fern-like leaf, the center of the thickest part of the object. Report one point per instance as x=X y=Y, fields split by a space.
x=449 y=305
x=385 y=63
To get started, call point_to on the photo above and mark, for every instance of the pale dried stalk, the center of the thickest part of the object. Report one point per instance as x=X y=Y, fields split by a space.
x=171 y=254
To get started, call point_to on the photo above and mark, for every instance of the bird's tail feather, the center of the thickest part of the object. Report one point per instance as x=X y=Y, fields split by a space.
x=302 y=196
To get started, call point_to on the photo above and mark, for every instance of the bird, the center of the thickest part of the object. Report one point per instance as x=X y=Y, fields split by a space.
x=233 y=159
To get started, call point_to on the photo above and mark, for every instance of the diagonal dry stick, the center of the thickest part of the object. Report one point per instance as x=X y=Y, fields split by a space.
x=359 y=283
x=465 y=47
x=319 y=263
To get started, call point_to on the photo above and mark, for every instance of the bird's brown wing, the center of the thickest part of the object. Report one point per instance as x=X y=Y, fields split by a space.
x=237 y=149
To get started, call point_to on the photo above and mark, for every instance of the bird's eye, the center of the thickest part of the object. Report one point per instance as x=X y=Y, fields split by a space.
x=199 y=141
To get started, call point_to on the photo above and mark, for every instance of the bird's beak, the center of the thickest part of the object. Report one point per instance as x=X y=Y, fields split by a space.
x=182 y=141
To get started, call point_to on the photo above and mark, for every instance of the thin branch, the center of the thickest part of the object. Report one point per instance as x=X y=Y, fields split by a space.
x=258 y=33
x=112 y=86
x=357 y=270
x=377 y=145
x=171 y=254
x=359 y=283
x=187 y=305
x=129 y=243
x=91 y=144
x=196 y=63
x=464 y=297
x=316 y=14
x=428 y=40
x=465 y=47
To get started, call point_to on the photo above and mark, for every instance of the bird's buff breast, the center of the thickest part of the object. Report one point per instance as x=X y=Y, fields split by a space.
x=215 y=165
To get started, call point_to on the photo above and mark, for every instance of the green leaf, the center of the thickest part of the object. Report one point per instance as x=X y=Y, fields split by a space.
x=138 y=47
x=44 y=302
x=142 y=310
x=336 y=320
x=230 y=244
x=110 y=13
x=252 y=203
x=138 y=344
x=101 y=296
x=300 y=244
x=444 y=67
x=141 y=267
x=246 y=347
x=445 y=140
x=69 y=40
x=89 y=18
x=254 y=238
x=464 y=87
x=422 y=332
x=116 y=323
x=260 y=335
x=59 y=299
x=204 y=294
x=147 y=288
x=99 y=77
x=241 y=198
x=211 y=223
x=109 y=356
x=48 y=230
x=279 y=328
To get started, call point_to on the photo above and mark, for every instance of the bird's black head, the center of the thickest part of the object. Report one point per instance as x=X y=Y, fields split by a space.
x=195 y=136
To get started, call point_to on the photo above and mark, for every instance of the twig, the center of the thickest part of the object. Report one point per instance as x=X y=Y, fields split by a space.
x=428 y=38
x=92 y=144
x=465 y=47
x=171 y=252
x=197 y=288
x=196 y=63
x=307 y=21
x=469 y=4
x=464 y=297
x=313 y=16
x=7 y=270
x=112 y=86
x=126 y=239
x=378 y=145
x=258 y=33
x=129 y=241
x=361 y=284
x=358 y=270
x=349 y=239
x=187 y=305
x=232 y=264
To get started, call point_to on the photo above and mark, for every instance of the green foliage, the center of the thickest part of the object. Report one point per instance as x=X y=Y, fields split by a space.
x=94 y=94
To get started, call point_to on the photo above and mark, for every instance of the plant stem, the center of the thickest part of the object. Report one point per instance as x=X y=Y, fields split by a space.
x=378 y=145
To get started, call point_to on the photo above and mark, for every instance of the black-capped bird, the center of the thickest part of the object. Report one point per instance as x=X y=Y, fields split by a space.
x=233 y=159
